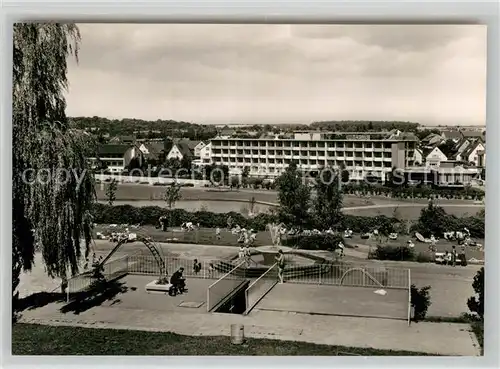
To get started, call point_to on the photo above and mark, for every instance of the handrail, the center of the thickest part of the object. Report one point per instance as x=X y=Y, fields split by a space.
x=263 y=274
x=228 y=273
x=217 y=281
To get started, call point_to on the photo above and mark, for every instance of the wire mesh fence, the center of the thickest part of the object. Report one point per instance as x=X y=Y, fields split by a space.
x=319 y=273
x=149 y=265
x=111 y=270
x=260 y=287
x=348 y=275
x=226 y=284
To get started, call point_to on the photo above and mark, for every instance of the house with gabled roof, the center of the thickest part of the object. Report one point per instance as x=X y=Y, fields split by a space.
x=433 y=157
x=115 y=158
x=475 y=154
x=179 y=150
x=153 y=151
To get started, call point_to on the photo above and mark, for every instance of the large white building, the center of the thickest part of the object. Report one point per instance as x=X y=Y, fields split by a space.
x=361 y=154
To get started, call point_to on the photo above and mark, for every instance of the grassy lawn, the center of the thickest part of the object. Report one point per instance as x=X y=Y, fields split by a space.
x=442 y=245
x=131 y=193
x=204 y=236
x=413 y=212
x=31 y=339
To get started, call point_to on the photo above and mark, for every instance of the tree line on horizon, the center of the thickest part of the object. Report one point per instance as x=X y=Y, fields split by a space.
x=161 y=128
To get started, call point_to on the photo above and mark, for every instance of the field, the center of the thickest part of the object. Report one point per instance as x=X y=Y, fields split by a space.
x=206 y=236
x=409 y=211
x=203 y=236
x=31 y=339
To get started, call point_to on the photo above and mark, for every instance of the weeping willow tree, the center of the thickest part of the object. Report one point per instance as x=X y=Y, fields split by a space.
x=53 y=190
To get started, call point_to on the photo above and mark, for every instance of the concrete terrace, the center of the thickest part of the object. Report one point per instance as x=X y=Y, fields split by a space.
x=132 y=308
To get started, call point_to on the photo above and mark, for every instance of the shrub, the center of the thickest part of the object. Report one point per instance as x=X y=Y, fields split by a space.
x=149 y=215
x=395 y=253
x=420 y=301
x=314 y=242
x=423 y=257
x=476 y=303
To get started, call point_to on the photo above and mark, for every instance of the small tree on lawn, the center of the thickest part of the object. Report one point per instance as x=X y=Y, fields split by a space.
x=172 y=194
x=294 y=198
x=476 y=303
x=111 y=191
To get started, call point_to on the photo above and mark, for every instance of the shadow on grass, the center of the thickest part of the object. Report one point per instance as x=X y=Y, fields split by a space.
x=78 y=302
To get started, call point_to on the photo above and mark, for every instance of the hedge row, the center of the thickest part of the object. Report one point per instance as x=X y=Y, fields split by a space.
x=394 y=253
x=149 y=215
x=314 y=242
x=423 y=192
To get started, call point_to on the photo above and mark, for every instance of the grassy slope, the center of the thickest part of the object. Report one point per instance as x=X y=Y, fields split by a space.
x=31 y=339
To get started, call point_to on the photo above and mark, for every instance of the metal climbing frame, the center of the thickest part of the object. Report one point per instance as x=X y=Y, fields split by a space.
x=151 y=246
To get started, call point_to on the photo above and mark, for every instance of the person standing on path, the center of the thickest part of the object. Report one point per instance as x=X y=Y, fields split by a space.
x=453 y=256
x=280 y=260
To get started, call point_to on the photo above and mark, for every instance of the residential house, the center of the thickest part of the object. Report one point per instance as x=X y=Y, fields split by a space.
x=433 y=157
x=179 y=150
x=197 y=149
x=475 y=154
x=191 y=144
x=117 y=157
x=153 y=152
x=418 y=157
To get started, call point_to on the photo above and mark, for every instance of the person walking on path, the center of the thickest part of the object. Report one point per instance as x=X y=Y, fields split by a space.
x=280 y=260
x=453 y=256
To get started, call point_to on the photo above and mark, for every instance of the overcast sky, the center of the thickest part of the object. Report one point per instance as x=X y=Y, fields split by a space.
x=280 y=73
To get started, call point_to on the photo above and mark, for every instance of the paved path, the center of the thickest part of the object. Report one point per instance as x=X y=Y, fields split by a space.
x=435 y=338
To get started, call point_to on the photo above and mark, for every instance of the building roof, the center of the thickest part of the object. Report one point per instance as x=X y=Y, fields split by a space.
x=190 y=143
x=112 y=149
x=452 y=135
x=473 y=134
x=154 y=148
x=427 y=150
x=470 y=148
x=461 y=142
x=184 y=149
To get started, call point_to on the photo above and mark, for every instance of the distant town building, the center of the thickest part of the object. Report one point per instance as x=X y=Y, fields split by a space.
x=362 y=154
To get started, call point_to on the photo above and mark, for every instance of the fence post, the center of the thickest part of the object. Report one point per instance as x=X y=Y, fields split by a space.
x=67 y=292
x=319 y=275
